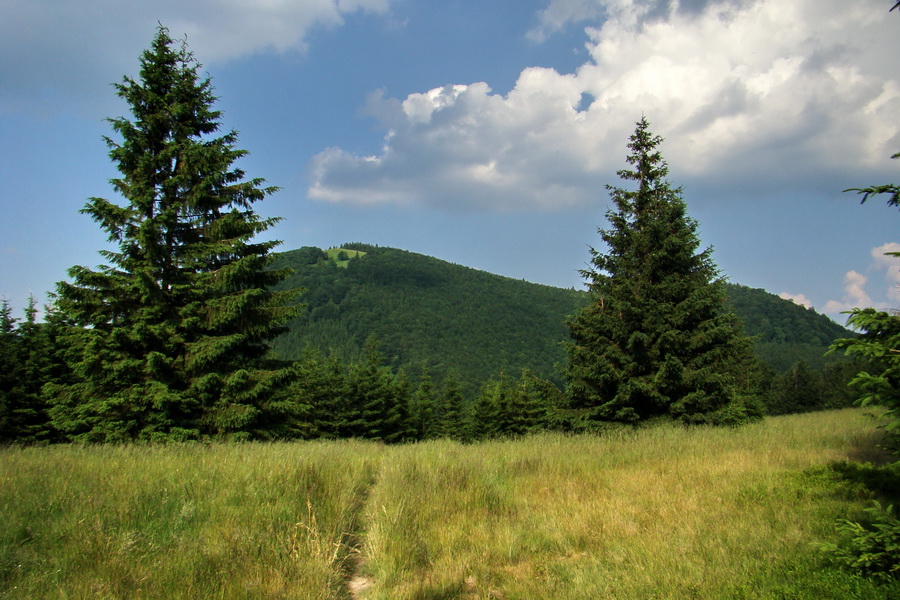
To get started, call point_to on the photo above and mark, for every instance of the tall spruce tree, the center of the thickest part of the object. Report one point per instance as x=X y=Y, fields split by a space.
x=170 y=338
x=656 y=338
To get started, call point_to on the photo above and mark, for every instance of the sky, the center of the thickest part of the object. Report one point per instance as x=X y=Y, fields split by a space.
x=484 y=132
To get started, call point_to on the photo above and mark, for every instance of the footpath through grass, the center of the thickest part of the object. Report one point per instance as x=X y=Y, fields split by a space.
x=226 y=521
x=665 y=512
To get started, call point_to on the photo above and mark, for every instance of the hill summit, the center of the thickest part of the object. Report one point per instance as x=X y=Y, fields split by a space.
x=425 y=311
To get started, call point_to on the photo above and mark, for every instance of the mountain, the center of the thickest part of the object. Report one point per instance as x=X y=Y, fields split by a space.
x=425 y=311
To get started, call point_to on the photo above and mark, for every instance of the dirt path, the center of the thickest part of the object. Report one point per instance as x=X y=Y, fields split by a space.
x=359 y=584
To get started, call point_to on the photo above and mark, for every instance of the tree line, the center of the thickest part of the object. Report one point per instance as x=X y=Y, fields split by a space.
x=171 y=340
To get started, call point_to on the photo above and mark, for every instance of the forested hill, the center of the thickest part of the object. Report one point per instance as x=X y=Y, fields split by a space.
x=785 y=332
x=422 y=310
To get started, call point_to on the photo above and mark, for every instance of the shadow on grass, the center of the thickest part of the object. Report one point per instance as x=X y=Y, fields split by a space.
x=882 y=480
x=873 y=463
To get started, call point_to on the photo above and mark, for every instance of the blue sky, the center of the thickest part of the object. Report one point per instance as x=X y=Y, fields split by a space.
x=484 y=132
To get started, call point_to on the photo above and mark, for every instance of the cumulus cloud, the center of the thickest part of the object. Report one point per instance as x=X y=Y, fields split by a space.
x=885 y=266
x=748 y=93
x=886 y=259
x=102 y=37
x=855 y=295
x=800 y=299
x=463 y=147
x=561 y=13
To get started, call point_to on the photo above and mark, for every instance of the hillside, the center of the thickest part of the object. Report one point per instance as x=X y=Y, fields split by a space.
x=422 y=310
x=785 y=332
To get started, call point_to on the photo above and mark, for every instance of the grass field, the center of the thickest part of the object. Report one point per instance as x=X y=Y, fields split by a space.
x=335 y=255
x=665 y=512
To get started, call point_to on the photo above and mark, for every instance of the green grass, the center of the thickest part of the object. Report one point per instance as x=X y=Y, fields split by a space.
x=334 y=253
x=254 y=521
x=665 y=512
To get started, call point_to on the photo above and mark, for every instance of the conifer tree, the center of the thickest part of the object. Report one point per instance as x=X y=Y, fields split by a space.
x=381 y=413
x=10 y=366
x=170 y=337
x=27 y=362
x=656 y=338
x=541 y=399
x=451 y=421
x=423 y=407
x=486 y=416
x=879 y=339
x=798 y=390
x=322 y=387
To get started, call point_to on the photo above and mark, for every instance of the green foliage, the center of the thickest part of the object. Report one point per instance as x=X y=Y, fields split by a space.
x=424 y=310
x=361 y=399
x=803 y=389
x=28 y=360
x=836 y=378
x=798 y=390
x=879 y=343
x=874 y=545
x=508 y=407
x=871 y=547
x=169 y=340
x=381 y=406
x=456 y=319
x=783 y=332
x=880 y=339
x=449 y=419
x=892 y=190
x=655 y=338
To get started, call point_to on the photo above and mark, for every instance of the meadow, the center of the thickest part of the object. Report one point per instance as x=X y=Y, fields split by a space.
x=659 y=512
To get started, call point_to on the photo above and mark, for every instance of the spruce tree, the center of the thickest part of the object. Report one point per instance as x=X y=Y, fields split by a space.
x=10 y=366
x=799 y=390
x=451 y=421
x=170 y=337
x=656 y=338
x=879 y=339
x=541 y=400
x=381 y=413
x=423 y=408
x=485 y=415
x=323 y=389
x=27 y=362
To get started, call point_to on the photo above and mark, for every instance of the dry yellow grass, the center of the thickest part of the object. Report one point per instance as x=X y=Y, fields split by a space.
x=665 y=512
x=662 y=513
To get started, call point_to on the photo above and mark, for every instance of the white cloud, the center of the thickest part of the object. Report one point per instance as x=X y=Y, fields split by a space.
x=886 y=268
x=465 y=147
x=749 y=94
x=800 y=299
x=890 y=263
x=70 y=47
x=855 y=295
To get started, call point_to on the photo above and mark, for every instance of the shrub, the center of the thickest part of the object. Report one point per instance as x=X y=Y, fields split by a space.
x=871 y=548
